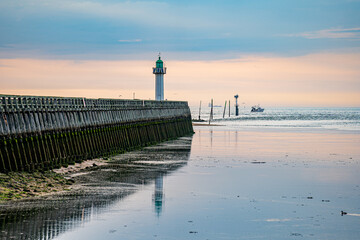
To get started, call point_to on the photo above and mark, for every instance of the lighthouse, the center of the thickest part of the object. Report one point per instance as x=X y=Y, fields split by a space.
x=159 y=72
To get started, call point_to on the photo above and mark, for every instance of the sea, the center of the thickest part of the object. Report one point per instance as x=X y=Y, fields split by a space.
x=285 y=173
x=303 y=118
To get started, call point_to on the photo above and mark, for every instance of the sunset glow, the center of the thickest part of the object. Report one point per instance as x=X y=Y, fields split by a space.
x=261 y=51
x=312 y=80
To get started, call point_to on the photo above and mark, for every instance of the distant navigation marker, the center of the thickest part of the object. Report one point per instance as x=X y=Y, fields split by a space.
x=159 y=72
x=236 y=105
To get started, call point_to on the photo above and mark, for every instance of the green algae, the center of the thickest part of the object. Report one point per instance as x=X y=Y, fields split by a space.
x=21 y=185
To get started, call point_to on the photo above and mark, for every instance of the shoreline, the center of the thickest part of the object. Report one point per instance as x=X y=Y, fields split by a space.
x=23 y=185
x=16 y=186
x=221 y=127
x=201 y=171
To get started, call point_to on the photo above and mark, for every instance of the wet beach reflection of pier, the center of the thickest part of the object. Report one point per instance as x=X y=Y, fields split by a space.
x=99 y=189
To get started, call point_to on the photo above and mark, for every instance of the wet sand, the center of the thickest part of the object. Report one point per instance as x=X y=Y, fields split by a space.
x=219 y=184
x=98 y=187
x=77 y=167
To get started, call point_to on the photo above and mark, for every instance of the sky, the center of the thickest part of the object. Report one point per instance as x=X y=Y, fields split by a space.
x=276 y=53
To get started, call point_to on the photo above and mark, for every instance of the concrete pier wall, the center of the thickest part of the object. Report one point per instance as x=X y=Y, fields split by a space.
x=47 y=132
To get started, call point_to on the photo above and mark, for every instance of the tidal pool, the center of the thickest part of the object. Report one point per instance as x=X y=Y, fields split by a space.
x=218 y=184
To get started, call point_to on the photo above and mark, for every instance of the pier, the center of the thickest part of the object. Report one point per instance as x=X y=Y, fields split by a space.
x=41 y=133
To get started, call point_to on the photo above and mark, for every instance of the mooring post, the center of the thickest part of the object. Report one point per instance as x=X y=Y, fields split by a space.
x=211 y=111
x=200 y=111
x=224 y=109
x=229 y=108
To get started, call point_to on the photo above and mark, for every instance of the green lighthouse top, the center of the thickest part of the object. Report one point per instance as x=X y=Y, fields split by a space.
x=159 y=63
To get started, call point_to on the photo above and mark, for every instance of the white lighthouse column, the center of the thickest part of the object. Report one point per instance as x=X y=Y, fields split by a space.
x=159 y=72
x=159 y=87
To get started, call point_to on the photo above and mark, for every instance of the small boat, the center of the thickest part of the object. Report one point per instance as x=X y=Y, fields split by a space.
x=256 y=108
x=198 y=120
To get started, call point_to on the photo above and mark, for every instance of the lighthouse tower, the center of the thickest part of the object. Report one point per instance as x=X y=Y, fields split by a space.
x=159 y=72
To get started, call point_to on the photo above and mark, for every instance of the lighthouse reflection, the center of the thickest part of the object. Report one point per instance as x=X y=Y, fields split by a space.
x=103 y=190
x=158 y=197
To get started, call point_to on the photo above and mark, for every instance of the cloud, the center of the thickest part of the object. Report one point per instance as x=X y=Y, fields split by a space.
x=277 y=220
x=129 y=40
x=344 y=33
x=108 y=29
x=149 y=13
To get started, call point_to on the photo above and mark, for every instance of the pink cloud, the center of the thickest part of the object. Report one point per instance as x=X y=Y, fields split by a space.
x=351 y=33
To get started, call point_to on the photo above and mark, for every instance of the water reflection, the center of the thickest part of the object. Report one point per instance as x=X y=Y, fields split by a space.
x=158 y=197
x=49 y=217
